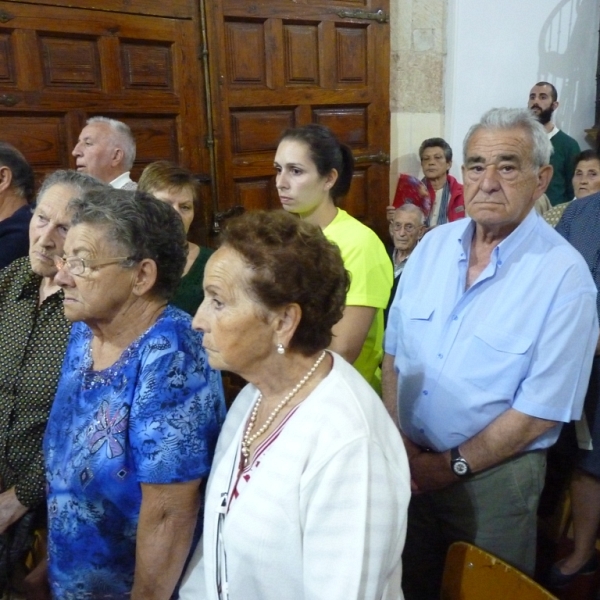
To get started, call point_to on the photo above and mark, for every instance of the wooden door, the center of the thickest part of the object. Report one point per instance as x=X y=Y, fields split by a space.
x=134 y=60
x=279 y=64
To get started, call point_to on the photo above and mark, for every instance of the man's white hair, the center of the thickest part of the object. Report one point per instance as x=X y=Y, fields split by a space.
x=122 y=137
x=515 y=118
x=412 y=209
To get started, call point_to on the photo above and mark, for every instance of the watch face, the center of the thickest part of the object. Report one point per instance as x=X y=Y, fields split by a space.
x=460 y=467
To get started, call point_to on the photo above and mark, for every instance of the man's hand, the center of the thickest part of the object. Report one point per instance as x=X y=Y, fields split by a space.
x=11 y=509
x=412 y=450
x=390 y=213
x=430 y=471
x=506 y=436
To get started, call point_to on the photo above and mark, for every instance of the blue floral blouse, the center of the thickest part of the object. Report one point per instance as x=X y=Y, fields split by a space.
x=152 y=417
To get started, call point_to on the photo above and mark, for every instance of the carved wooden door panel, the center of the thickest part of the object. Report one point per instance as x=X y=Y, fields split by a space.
x=278 y=64
x=135 y=60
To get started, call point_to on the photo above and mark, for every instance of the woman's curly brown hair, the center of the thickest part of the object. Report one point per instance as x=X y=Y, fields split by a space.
x=292 y=262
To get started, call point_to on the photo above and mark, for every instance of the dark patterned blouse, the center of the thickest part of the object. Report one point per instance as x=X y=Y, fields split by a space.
x=32 y=345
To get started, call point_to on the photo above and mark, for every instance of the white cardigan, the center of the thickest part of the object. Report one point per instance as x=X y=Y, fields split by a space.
x=324 y=514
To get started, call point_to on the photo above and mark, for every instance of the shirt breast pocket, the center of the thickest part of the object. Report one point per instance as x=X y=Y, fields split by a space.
x=497 y=361
x=418 y=319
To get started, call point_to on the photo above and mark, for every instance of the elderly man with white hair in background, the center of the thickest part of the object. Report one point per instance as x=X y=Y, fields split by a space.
x=106 y=150
x=488 y=350
x=407 y=227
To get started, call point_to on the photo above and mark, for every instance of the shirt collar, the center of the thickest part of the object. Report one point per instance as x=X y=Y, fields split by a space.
x=465 y=236
x=552 y=133
x=506 y=247
x=28 y=285
x=395 y=254
x=120 y=181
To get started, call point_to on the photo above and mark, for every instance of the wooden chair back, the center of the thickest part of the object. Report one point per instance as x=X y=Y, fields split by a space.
x=471 y=573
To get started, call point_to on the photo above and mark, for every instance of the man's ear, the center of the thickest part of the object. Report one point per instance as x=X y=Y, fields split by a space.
x=544 y=176
x=117 y=156
x=145 y=278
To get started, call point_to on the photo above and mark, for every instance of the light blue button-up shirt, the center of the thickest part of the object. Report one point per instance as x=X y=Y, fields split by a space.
x=522 y=336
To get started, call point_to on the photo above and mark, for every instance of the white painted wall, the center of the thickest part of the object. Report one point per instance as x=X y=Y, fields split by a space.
x=497 y=50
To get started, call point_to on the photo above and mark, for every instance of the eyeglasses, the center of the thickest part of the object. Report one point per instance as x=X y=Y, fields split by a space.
x=408 y=227
x=77 y=266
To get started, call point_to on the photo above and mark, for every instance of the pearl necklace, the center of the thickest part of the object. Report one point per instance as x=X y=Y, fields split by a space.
x=248 y=439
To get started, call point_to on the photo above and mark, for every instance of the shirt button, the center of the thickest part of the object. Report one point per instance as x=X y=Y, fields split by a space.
x=455 y=317
x=425 y=392
x=499 y=263
x=440 y=356
x=422 y=430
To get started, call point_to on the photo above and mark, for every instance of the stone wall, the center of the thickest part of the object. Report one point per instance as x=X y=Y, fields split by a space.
x=418 y=49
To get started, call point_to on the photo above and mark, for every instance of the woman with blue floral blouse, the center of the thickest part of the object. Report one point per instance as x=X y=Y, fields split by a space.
x=137 y=412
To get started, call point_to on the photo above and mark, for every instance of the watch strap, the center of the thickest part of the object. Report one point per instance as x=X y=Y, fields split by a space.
x=459 y=465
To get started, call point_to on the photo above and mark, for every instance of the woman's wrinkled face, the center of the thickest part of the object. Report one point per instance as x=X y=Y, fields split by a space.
x=182 y=200
x=300 y=187
x=586 y=179
x=434 y=163
x=238 y=331
x=101 y=292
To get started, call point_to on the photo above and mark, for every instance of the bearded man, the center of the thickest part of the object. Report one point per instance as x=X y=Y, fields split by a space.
x=543 y=101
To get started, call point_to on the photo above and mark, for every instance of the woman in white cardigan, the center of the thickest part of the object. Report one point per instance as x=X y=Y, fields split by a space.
x=309 y=490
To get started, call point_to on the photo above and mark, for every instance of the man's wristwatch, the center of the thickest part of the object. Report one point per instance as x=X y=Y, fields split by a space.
x=459 y=465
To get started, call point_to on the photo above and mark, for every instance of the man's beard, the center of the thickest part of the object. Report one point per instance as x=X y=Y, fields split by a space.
x=543 y=116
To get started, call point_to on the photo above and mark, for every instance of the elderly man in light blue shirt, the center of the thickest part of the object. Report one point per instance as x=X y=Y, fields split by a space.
x=489 y=348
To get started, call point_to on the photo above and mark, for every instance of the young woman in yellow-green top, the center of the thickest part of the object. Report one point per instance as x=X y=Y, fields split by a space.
x=179 y=188
x=314 y=171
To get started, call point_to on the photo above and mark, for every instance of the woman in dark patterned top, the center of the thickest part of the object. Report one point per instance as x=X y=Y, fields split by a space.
x=137 y=412
x=580 y=225
x=586 y=181
x=34 y=335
